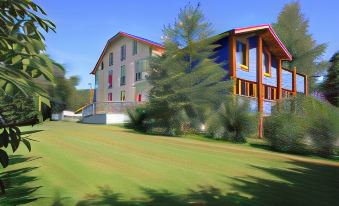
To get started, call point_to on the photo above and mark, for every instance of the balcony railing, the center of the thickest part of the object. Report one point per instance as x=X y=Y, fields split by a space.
x=108 y=108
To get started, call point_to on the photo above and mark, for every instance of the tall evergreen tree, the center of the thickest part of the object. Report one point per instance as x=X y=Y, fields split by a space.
x=330 y=86
x=185 y=79
x=292 y=29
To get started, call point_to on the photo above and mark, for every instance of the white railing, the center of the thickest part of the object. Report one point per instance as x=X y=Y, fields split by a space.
x=108 y=108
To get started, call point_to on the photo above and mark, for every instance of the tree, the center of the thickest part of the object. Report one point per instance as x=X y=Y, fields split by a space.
x=330 y=86
x=185 y=80
x=22 y=59
x=292 y=29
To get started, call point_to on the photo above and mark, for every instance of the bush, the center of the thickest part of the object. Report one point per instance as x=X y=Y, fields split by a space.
x=137 y=119
x=233 y=121
x=285 y=132
x=149 y=120
x=303 y=125
x=323 y=127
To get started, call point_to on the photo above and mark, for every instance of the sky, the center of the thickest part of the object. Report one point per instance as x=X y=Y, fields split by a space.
x=84 y=26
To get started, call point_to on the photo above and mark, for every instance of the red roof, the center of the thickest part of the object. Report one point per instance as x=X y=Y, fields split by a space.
x=270 y=30
x=124 y=34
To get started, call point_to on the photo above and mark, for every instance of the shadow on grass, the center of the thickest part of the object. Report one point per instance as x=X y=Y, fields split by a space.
x=31 y=132
x=302 y=184
x=17 y=189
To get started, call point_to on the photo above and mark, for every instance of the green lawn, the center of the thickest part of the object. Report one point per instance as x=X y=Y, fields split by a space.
x=82 y=164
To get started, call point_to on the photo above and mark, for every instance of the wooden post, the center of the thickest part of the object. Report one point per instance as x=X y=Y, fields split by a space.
x=260 y=86
x=294 y=81
x=306 y=85
x=279 y=80
x=261 y=126
x=259 y=75
x=232 y=54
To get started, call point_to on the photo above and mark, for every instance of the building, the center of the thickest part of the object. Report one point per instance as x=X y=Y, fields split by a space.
x=252 y=56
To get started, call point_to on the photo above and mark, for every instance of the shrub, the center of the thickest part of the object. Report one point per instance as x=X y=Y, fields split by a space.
x=303 y=125
x=233 y=121
x=137 y=119
x=323 y=127
x=152 y=121
x=285 y=132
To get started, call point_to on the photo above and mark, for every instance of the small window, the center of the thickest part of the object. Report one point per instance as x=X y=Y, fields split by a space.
x=110 y=61
x=123 y=53
x=266 y=61
x=243 y=54
x=110 y=79
x=122 y=75
x=243 y=88
x=122 y=96
x=135 y=47
x=139 y=98
x=102 y=65
x=109 y=96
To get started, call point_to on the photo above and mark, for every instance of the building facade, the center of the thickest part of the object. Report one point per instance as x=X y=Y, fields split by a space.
x=252 y=56
x=121 y=70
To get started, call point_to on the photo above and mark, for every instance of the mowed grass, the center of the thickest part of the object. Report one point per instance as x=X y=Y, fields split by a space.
x=75 y=163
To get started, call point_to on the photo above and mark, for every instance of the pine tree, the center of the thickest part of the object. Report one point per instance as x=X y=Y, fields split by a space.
x=292 y=29
x=330 y=86
x=185 y=80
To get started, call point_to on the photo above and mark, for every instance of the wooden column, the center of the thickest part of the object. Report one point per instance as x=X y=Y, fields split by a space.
x=279 y=80
x=260 y=87
x=232 y=54
x=232 y=60
x=306 y=85
x=294 y=81
x=259 y=75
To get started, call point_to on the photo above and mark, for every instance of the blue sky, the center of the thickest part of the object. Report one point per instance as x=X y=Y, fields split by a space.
x=84 y=26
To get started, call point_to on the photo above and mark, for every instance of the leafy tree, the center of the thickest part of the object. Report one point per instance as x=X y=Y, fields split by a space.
x=292 y=29
x=330 y=86
x=22 y=59
x=185 y=79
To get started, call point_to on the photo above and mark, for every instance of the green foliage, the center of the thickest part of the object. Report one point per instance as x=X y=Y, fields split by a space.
x=292 y=29
x=22 y=47
x=322 y=127
x=285 y=132
x=185 y=79
x=303 y=125
x=18 y=109
x=233 y=121
x=138 y=119
x=22 y=59
x=330 y=87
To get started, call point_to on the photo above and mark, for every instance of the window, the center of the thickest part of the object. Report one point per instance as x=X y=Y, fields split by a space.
x=139 y=98
x=266 y=61
x=122 y=96
x=246 y=88
x=270 y=93
x=109 y=96
x=141 y=68
x=102 y=65
x=242 y=54
x=135 y=47
x=122 y=75
x=110 y=78
x=123 y=53
x=110 y=61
